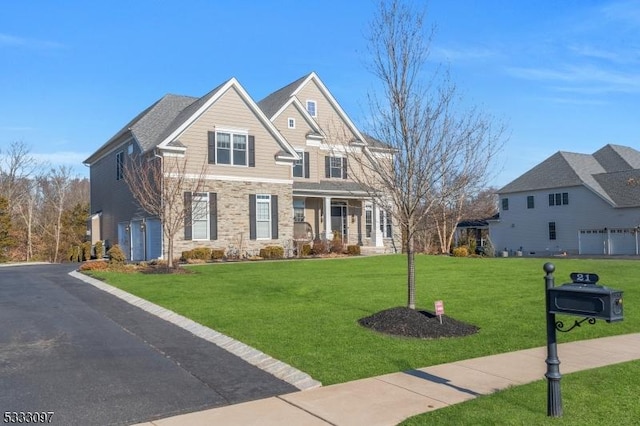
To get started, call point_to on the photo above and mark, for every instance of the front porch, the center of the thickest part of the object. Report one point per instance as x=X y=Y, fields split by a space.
x=333 y=209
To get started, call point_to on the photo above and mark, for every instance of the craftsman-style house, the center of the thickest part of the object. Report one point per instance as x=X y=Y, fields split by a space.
x=267 y=167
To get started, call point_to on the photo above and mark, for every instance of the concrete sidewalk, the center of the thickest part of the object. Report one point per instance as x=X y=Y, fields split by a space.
x=390 y=399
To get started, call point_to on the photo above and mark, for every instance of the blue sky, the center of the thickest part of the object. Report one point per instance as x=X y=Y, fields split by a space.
x=563 y=75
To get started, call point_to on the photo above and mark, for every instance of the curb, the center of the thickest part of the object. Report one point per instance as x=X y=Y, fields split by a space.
x=279 y=369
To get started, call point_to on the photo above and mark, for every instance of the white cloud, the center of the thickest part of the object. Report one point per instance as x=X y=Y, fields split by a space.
x=458 y=54
x=13 y=41
x=585 y=79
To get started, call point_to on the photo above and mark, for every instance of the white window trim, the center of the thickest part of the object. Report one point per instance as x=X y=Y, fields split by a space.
x=205 y=197
x=303 y=207
x=300 y=152
x=331 y=157
x=315 y=107
x=232 y=132
x=265 y=200
x=291 y=123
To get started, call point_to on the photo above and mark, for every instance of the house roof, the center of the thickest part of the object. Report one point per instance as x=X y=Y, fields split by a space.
x=329 y=187
x=147 y=126
x=276 y=100
x=606 y=172
x=160 y=124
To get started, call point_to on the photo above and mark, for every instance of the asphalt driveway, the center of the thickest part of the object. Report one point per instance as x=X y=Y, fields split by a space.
x=93 y=359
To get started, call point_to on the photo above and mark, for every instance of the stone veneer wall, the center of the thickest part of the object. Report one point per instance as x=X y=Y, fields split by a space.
x=233 y=217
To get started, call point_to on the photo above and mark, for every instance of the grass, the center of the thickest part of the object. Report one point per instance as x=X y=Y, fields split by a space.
x=607 y=395
x=305 y=312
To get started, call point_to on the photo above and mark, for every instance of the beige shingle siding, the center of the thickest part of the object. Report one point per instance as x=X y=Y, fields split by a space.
x=231 y=112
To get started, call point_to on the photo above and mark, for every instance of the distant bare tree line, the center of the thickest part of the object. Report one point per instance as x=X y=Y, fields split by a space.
x=43 y=209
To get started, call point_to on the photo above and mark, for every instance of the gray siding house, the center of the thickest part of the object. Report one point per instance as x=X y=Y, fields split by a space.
x=573 y=203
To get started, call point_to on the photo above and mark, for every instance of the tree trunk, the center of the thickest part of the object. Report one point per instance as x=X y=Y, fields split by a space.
x=170 y=254
x=411 y=274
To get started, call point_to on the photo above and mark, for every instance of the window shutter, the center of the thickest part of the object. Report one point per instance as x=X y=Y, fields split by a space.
x=187 y=215
x=306 y=165
x=327 y=166
x=252 y=216
x=274 y=217
x=252 y=151
x=344 y=167
x=212 y=147
x=213 y=216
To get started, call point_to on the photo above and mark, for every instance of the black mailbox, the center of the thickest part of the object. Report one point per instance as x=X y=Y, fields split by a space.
x=584 y=297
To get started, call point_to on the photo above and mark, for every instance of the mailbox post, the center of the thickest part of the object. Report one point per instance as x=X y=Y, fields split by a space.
x=554 y=398
x=582 y=297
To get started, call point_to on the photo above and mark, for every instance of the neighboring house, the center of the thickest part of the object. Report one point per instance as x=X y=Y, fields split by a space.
x=573 y=203
x=268 y=165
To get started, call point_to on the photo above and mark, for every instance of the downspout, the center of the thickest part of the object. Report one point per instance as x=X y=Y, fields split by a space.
x=155 y=154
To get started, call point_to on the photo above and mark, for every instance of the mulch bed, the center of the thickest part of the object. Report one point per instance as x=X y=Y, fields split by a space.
x=402 y=321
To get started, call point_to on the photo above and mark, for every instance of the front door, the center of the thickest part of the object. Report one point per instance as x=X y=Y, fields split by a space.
x=339 y=218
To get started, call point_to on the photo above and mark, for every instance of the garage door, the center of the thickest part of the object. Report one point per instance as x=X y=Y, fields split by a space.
x=622 y=241
x=592 y=241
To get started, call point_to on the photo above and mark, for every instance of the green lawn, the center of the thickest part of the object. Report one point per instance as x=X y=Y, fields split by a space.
x=305 y=312
x=604 y=396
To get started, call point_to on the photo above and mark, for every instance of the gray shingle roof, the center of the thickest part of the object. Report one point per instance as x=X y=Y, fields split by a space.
x=330 y=186
x=150 y=124
x=273 y=102
x=605 y=172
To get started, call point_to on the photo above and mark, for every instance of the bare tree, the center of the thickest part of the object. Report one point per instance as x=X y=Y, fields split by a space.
x=417 y=115
x=158 y=185
x=19 y=176
x=56 y=188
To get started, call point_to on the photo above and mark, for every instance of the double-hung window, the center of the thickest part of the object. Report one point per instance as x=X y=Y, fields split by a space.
x=120 y=165
x=200 y=216
x=298 y=210
x=263 y=216
x=530 y=202
x=386 y=224
x=368 y=220
x=312 y=108
x=335 y=167
x=552 y=230
x=559 y=199
x=298 y=166
x=230 y=147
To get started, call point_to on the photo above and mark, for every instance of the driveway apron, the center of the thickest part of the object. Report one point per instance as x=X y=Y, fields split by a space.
x=93 y=359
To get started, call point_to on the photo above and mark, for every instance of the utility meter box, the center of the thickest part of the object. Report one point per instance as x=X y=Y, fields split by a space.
x=583 y=297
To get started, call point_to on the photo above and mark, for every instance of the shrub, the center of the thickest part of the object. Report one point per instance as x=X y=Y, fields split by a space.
x=217 y=254
x=86 y=250
x=198 y=253
x=306 y=249
x=116 y=255
x=335 y=245
x=460 y=252
x=73 y=254
x=353 y=250
x=99 y=250
x=319 y=247
x=489 y=249
x=272 y=252
x=98 y=265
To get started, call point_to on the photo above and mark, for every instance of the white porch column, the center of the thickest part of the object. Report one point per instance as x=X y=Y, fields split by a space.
x=376 y=233
x=327 y=218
